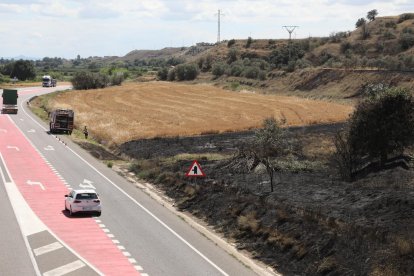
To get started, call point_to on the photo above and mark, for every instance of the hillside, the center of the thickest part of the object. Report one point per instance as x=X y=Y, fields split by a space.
x=338 y=67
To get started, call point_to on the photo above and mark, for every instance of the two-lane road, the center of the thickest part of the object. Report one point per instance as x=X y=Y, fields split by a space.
x=135 y=234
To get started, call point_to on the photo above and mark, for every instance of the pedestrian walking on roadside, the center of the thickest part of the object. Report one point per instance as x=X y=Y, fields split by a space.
x=85 y=131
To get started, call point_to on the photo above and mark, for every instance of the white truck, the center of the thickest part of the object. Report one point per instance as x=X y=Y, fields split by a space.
x=48 y=81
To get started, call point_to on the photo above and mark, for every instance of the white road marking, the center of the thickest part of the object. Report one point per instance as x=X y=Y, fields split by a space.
x=144 y=274
x=65 y=269
x=47 y=248
x=110 y=235
x=120 y=247
x=102 y=225
x=98 y=220
x=115 y=241
x=106 y=230
x=49 y=147
x=35 y=183
x=87 y=184
x=126 y=254
x=132 y=260
x=13 y=147
x=31 y=130
x=139 y=268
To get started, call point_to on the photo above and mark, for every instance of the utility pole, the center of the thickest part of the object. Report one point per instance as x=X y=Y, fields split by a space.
x=218 y=25
x=290 y=30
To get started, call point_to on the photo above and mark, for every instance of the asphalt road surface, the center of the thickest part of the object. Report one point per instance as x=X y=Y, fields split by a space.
x=134 y=233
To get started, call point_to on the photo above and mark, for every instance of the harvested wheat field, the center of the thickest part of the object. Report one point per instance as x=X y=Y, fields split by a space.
x=158 y=109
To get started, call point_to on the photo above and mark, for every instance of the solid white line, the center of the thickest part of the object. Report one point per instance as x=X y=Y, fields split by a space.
x=47 y=248
x=65 y=269
x=138 y=204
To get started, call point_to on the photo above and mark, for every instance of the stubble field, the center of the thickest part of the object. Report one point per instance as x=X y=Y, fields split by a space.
x=162 y=109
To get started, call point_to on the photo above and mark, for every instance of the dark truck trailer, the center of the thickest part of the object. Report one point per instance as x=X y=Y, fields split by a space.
x=61 y=120
x=9 y=101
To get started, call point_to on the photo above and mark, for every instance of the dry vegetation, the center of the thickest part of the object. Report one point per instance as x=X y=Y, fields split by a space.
x=158 y=109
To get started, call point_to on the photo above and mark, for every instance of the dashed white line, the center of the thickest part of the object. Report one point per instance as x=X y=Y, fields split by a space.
x=65 y=269
x=101 y=225
x=139 y=268
x=120 y=247
x=47 y=248
x=132 y=260
x=115 y=241
x=110 y=235
x=126 y=254
x=106 y=230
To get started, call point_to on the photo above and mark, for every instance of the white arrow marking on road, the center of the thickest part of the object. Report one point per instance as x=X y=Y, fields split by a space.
x=87 y=184
x=35 y=183
x=3 y=130
x=13 y=147
x=49 y=148
x=31 y=131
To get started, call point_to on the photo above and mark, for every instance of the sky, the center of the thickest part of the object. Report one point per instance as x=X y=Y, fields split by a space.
x=63 y=28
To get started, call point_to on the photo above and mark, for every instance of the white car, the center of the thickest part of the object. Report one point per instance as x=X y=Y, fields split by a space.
x=83 y=201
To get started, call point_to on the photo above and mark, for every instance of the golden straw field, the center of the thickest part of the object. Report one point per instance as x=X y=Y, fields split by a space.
x=157 y=109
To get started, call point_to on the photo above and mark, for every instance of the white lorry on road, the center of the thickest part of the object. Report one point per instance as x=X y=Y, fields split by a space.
x=48 y=81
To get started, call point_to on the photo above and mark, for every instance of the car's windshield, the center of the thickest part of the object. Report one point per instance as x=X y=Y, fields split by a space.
x=86 y=196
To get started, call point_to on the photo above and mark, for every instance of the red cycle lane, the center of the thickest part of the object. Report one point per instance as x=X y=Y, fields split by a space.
x=44 y=192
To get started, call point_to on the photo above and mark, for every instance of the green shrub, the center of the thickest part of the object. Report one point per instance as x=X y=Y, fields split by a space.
x=162 y=74
x=88 y=80
x=406 y=40
x=236 y=70
x=186 y=72
x=251 y=72
x=219 y=69
x=405 y=16
x=232 y=56
x=171 y=75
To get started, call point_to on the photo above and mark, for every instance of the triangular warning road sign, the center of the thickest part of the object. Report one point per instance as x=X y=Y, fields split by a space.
x=195 y=170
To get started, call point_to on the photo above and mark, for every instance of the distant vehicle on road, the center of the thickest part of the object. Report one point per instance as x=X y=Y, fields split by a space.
x=83 y=201
x=48 y=81
x=61 y=120
x=9 y=101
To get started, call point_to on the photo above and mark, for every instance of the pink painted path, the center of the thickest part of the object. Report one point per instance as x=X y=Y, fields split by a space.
x=82 y=234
